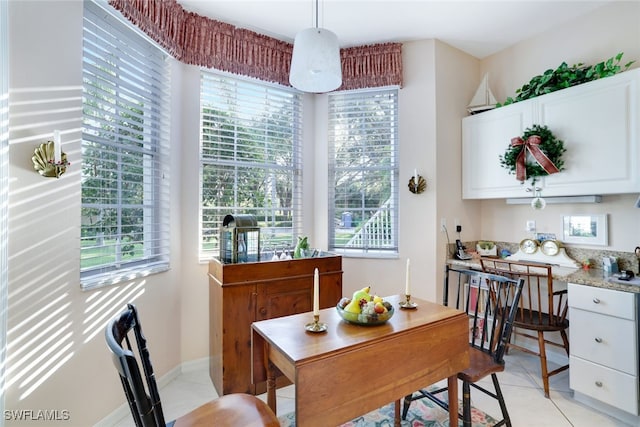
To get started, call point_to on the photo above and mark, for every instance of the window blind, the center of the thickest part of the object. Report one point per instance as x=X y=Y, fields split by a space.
x=251 y=160
x=125 y=224
x=363 y=171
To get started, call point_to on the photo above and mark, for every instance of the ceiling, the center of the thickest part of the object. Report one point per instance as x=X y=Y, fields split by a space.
x=477 y=27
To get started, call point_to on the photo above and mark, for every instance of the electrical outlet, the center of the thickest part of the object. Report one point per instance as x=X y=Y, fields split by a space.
x=531 y=226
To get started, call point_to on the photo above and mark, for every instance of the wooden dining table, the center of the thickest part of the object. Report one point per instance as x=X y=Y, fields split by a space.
x=350 y=370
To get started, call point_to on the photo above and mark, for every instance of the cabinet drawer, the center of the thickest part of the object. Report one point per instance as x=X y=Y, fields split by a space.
x=607 y=385
x=603 y=301
x=606 y=340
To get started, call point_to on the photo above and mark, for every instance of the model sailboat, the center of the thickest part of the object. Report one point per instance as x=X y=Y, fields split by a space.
x=483 y=99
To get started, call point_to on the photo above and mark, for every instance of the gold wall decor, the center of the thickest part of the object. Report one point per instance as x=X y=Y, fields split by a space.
x=417 y=184
x=44 y=161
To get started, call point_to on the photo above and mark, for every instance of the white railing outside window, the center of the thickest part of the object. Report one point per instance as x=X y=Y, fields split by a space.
x=125 y=187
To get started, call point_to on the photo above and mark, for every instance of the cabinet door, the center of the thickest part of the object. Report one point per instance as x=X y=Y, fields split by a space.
x=598 y=122
x=606 y=340
x=285 y=297
x=604 y=384
x=485 y=137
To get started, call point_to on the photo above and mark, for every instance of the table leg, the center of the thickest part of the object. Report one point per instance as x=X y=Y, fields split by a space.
x=271 y=379
x=452 y=384
x=396 y=421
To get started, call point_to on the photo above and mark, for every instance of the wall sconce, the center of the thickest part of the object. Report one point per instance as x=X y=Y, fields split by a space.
x=417 y=184
x=49 y=160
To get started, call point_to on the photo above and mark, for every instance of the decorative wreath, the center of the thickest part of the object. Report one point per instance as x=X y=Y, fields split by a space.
x=542 y=146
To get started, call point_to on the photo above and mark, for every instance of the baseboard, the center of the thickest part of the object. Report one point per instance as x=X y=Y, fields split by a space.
x=123 y=410
x=632 y=420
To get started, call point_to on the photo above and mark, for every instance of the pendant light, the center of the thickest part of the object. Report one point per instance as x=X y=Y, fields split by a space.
x=315 y=62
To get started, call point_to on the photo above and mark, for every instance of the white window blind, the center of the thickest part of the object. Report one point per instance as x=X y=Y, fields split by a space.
x=250 y=159
x=363 y=172
x=125 y=224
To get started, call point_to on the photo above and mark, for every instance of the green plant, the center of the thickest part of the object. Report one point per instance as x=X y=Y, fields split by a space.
x=565 y=76
x=552 y=147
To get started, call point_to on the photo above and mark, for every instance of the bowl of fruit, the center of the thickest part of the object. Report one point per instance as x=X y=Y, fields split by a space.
x=364 y=308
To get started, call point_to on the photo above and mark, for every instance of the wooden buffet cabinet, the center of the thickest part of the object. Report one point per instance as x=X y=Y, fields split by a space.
x=240 y=294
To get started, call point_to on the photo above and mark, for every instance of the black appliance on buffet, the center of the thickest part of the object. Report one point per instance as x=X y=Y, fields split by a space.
x=239 y=239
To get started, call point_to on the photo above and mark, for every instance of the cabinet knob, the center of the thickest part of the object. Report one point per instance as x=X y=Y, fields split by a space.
x=598 y=339
x=596 y=301
x=263 y=311
x=598 y=383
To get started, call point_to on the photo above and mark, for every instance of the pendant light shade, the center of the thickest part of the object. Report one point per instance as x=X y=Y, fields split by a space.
x=315 y=62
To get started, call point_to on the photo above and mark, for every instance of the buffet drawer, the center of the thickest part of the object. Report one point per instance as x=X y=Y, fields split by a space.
x=603 y=301
x=607 y=385
x=607 y=340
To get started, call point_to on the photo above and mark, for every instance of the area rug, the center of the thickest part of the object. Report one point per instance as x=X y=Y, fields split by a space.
x=422 y=413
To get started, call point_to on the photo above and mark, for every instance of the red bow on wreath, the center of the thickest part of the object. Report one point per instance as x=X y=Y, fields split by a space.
x=531 y=144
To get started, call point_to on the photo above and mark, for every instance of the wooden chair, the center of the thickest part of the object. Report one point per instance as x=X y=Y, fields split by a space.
x=226 y=411
x=543 y=309
x=490 y=301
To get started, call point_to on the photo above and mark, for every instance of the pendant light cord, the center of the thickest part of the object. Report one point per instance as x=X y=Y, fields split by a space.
x=316 y=13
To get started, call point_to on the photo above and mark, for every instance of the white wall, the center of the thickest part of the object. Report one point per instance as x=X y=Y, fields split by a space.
x=596 y=37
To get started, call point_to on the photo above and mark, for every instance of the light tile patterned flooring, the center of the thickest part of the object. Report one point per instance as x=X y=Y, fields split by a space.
x=521 y=385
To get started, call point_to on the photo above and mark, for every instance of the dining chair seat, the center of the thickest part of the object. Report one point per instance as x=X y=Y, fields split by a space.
x=230 y=410
x=481 y=365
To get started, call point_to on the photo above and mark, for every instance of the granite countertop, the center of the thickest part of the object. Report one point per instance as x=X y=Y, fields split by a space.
x=592 y=277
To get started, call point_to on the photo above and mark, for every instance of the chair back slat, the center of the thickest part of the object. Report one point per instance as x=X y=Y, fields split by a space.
x=541 y=306
x=142 y=393
x=490 y=301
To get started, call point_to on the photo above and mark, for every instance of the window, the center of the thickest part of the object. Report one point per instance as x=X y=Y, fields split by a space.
x=124 y=142
x=250 y=158
x=363 y=172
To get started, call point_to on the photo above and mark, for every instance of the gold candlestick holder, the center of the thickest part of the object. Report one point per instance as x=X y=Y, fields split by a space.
x=316 y=325
x=408 y=304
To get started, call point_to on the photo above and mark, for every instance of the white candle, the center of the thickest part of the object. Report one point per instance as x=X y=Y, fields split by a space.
x=407 y=287
x=316 y=293
x=57 y=149
x=415 y=175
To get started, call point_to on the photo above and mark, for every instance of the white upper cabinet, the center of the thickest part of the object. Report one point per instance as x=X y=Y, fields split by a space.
x=598 y=122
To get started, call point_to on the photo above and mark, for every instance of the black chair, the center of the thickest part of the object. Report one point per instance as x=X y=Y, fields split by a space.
x=226 y=411
x=490 y=301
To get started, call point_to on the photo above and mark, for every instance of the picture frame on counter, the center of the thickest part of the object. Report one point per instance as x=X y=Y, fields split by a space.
x=585 y=229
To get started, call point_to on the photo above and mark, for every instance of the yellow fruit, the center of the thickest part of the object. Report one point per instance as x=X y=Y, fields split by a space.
x=377 y=299
x=354 y=305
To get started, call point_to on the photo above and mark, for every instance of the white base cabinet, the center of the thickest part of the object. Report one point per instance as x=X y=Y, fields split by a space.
x=603 y=338
x=598 y=122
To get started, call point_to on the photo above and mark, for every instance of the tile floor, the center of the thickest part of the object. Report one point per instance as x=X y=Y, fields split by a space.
x=521 y=385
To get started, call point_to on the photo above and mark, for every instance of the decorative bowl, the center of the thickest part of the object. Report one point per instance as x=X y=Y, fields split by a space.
x=365 y=319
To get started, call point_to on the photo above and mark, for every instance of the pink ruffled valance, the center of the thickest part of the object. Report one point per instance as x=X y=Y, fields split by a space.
x=198 y=40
